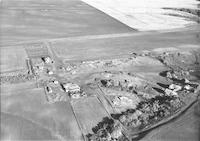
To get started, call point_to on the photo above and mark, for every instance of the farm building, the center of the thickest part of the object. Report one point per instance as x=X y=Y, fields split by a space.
x=122 y=101
x=71 y=88
x=49 y=72
x=49 y=90
x=47 y=60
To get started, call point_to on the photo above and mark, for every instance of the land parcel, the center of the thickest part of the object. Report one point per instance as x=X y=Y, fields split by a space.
x=98 y=46
x=89 y=113
x=31 y=108
x=12 y=59
x=23 y=20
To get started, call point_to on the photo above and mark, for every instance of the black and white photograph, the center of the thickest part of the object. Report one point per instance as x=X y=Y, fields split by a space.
x=100 y=70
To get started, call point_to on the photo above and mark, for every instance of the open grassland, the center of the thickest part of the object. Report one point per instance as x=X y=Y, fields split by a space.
x=31 y=106
x=12 y=59
x=89 y=112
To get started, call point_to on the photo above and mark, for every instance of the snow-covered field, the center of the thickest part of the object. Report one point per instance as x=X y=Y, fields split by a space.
x=148 y=14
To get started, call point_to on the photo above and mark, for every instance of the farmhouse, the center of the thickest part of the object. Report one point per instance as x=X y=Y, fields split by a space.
x=47 y=60
x=71 y=88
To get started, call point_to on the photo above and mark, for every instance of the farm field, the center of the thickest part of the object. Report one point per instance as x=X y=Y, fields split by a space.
x=36 y=49
x=23 y=20
x=12 y=59
x=82 y=49
x=12 y=89
x=75 y=48
x=145 y=15
x=31 y=106
x=17 y=128
x=89 y=112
